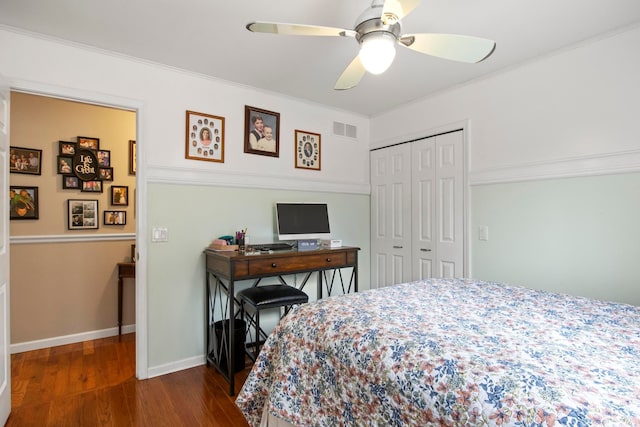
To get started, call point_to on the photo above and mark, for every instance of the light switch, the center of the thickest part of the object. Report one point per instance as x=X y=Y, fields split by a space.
x=159 y=234
x=483 y=232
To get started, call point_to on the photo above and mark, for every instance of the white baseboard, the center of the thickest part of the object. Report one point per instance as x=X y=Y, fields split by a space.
x=154 y=371
x=69 y=339
x=179 y=365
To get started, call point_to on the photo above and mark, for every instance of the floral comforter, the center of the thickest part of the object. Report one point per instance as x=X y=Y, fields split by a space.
x=450 y=352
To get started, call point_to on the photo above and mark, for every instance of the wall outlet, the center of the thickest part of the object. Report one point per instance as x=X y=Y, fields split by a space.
x=159 y=234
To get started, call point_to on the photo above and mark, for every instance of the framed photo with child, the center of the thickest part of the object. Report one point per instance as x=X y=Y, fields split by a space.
x=261 y=132
x=204 y=138
x=307 y=150
x=25 y=160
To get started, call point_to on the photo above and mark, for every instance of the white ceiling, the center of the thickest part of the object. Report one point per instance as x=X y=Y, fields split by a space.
x=209 y=37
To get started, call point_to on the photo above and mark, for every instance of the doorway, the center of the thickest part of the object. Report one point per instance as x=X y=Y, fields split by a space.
x=63 y=273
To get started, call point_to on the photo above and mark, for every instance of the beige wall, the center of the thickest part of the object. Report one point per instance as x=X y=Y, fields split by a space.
x=60 y=288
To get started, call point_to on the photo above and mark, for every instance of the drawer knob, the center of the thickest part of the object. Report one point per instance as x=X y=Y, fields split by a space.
x=328 y=259
x=274 y=265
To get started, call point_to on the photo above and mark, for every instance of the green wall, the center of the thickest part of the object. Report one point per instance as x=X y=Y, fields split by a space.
x=194 y=216
x=578 y=236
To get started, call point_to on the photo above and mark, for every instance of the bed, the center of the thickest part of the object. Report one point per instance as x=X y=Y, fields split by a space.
x=449 y=352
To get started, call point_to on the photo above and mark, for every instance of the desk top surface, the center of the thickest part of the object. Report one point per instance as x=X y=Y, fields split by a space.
x=235 y=255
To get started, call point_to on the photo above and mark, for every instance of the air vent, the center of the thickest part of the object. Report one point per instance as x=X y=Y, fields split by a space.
x=351 y=131
x=343 y=129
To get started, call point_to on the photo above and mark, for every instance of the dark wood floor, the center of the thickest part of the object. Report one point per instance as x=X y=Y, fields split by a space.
x=93 y=384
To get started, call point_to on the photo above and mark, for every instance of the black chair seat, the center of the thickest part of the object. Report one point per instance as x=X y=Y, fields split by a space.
x=269 y=296
x=265 y=297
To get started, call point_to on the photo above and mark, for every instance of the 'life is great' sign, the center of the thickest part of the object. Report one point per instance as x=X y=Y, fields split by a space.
x=85 y=165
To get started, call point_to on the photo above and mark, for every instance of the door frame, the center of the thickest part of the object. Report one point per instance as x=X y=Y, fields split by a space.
x=5 y=262
x=101 y=99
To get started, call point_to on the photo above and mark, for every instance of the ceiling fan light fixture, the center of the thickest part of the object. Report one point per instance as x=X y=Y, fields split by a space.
x=377 y=51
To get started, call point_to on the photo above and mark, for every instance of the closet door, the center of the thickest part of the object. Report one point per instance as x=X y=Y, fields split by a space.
x=438 y=206
x=423 y=208
x=390 y=215
x=449 y=182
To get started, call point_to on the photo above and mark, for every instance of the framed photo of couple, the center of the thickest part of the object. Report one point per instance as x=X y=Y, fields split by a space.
x=204 y=138
x=261 y=132
x=115 y=218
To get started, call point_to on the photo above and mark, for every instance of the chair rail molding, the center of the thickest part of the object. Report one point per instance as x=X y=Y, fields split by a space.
x=578 y=166
x=191 y=176
x=64 y=238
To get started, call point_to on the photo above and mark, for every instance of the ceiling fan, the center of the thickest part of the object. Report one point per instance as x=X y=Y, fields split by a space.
x=378 y=30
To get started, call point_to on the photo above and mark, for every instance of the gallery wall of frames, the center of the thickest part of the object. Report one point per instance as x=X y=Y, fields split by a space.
x=79 y=182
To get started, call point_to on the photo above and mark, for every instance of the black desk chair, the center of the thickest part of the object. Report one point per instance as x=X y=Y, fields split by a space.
x=263 y=297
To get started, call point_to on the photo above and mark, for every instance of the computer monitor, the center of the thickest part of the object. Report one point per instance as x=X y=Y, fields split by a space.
x=302 y=221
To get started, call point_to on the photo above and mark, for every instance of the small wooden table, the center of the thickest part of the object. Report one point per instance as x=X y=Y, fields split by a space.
x=125 y=270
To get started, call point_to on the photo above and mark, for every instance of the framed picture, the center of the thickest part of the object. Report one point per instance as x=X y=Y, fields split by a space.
x=25 y=160
x=261 y=132
x=132 y=157
x=89 y=143
x=82 y=214
x=94 y=186
x=115 y=218
x=65 y=164
x=119 y=195
x=105 y=174
x=23 y=202
x=67 y=148
x=104 y=158
x=70 y=182
x=204 y=137
x=307 y=150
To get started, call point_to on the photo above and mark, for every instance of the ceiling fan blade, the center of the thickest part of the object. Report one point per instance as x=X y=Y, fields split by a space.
x=450 y=46
x=351 y=76
x=298 y=29
x=398 y=8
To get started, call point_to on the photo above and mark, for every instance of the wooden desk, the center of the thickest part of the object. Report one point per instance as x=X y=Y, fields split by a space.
x=227 y=267
x=125 y=270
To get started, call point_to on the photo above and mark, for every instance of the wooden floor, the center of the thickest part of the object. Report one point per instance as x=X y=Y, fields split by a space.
x=93 y=384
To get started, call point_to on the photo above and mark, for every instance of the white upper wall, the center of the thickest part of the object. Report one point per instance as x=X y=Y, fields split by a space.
x=574 y=105
x=168 y=93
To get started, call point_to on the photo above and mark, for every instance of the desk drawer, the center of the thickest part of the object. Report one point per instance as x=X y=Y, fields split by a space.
x=298 y=263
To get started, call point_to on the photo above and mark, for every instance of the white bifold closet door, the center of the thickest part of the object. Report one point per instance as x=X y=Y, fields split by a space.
x=437 y=213
x=417 y=210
